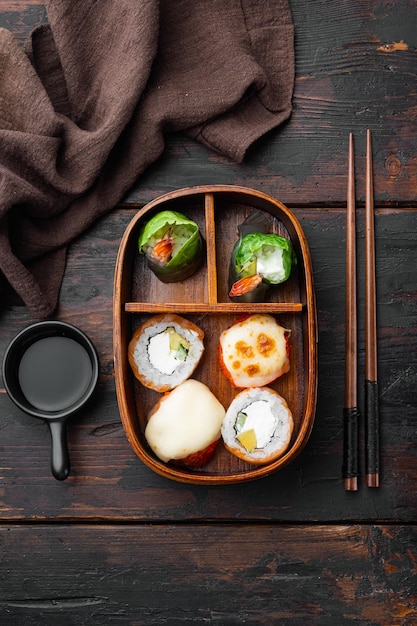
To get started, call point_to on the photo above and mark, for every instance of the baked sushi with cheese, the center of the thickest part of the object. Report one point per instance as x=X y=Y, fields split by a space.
x=184 y=427
x=172 y=245
x=165 y=350
x=254 y=351
x=258 y=426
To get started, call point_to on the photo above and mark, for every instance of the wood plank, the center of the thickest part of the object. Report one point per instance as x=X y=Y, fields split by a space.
x=355 y=69
x=352 y=73
x=108 y=480
x=218 y=574
x=21 y=17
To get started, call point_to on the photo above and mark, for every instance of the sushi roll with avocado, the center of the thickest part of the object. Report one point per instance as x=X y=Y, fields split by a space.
x=258 y=426
x=259 y=260
x=165 y=350
x=172 y=245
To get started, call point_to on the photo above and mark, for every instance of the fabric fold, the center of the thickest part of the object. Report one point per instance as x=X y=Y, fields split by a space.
x=86 y=105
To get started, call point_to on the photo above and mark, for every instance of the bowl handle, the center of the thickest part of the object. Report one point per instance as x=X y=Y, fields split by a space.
x=60 y=461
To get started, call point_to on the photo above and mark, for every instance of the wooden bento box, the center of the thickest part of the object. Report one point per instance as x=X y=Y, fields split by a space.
x=203 y=298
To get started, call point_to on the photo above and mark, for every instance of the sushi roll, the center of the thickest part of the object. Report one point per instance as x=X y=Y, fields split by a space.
x=254 y=351
x=172 y=245
x=258 y=426
x=184 y=426
x=259 y=260
x=165 y=350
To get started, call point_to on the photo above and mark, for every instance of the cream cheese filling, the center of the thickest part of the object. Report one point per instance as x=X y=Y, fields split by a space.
x=271 y=264
x=160 y=354
x=261 y=420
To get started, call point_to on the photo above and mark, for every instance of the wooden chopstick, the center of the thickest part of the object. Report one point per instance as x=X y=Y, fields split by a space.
x=350 y=411
x=371 y=378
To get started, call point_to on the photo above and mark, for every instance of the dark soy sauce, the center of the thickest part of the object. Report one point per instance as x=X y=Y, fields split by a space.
x=54 y=373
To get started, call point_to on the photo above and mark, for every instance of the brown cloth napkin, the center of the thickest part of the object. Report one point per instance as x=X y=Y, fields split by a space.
x=85 y=107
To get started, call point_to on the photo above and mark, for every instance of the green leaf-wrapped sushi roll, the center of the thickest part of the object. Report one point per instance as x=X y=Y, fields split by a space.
x=259 y=260
x=173 y=246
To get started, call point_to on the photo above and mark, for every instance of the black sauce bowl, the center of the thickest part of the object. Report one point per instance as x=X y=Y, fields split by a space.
x=30 y=365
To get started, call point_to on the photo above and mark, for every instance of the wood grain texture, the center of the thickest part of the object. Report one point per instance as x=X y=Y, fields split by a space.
x=191 y=574
x=219 y=211
x=350 y=76
x=355 y=69
x=108 y=481
x=116 y=543
x=21 y=17
x=350 y=467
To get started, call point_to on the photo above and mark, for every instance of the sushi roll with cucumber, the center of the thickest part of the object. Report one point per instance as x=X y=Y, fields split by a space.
x=258 y=426
x=172 y=245
x=258 y=261
x=165 y=350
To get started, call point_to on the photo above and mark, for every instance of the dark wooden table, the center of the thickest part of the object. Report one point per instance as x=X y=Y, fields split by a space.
x=116 y=543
